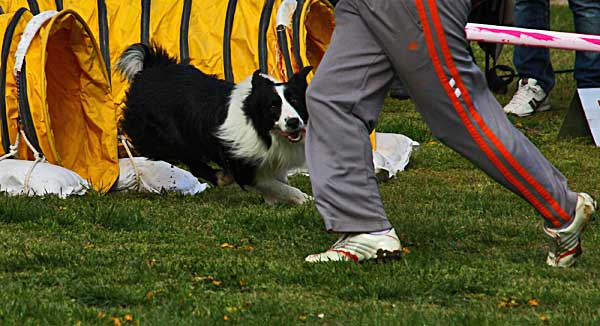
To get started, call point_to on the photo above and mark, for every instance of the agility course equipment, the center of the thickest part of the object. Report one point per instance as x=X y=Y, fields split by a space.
x=64 y=111
x=221 y=37
x=582 y=118
x=532 y=37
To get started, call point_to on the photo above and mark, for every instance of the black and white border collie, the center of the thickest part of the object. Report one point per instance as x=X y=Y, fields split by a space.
x=253 y=130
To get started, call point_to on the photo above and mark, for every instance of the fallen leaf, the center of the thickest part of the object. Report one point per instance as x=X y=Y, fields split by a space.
x=507 y=302
x=216 y=283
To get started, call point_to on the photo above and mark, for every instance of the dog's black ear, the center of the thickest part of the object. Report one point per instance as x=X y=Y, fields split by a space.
x=300 y=76
x=259 y=80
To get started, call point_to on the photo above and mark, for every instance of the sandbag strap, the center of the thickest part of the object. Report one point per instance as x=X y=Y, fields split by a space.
x=39 y=158
x=138 y=178
x=36 y=153
x=13 y=150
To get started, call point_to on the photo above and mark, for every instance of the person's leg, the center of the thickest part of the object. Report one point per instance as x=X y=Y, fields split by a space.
x=533 y=62
x=450 y=92
x=586 y=14
x=344 y=99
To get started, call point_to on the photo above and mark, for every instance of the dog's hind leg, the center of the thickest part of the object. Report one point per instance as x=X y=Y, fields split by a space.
x=203 y=171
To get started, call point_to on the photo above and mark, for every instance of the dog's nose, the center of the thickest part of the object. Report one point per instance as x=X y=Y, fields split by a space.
x=292 y=123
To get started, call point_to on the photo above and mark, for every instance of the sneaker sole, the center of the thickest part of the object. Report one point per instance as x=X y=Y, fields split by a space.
x=541 y=109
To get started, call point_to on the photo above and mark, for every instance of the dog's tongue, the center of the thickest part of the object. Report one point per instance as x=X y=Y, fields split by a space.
x=295 y=136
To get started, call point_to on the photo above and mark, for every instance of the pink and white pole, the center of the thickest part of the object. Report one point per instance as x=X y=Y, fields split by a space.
x=532 y=37
x=589 y=98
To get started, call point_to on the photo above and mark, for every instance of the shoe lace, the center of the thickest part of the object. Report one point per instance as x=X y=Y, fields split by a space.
x=523 y=95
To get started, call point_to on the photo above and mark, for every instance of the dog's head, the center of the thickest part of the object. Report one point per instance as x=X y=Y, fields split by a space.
x=279 y=108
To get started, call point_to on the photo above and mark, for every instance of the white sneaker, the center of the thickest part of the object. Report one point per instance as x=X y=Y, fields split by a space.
x=529 y=98
x=359 y=247
x=565 y=244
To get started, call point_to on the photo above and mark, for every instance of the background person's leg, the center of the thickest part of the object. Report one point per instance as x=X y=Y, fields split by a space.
x=344 y=100
x=532 y=62
x=398 y=90
x=586 y=15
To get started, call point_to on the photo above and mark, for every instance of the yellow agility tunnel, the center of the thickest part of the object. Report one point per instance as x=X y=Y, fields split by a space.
x=227 y=38
x=64 y=107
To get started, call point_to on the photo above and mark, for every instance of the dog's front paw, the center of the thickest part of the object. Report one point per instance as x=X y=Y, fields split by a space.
x=270 y=200
x=298 y=198
x=301 y=198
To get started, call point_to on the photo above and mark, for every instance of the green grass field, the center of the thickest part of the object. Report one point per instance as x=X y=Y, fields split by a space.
x=475 y=253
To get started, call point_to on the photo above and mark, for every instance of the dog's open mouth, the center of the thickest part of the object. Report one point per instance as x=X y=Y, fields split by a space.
x=293 y=136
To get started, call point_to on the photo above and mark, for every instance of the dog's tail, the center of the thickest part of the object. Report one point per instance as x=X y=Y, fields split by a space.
x=139 y=56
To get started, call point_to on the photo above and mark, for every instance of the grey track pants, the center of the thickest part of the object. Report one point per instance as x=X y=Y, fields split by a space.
x=424 y=42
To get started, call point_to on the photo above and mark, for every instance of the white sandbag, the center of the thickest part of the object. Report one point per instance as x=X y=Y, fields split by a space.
x=392 y=153
x=391 y=156
x=156 y=177
x=44 y=179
